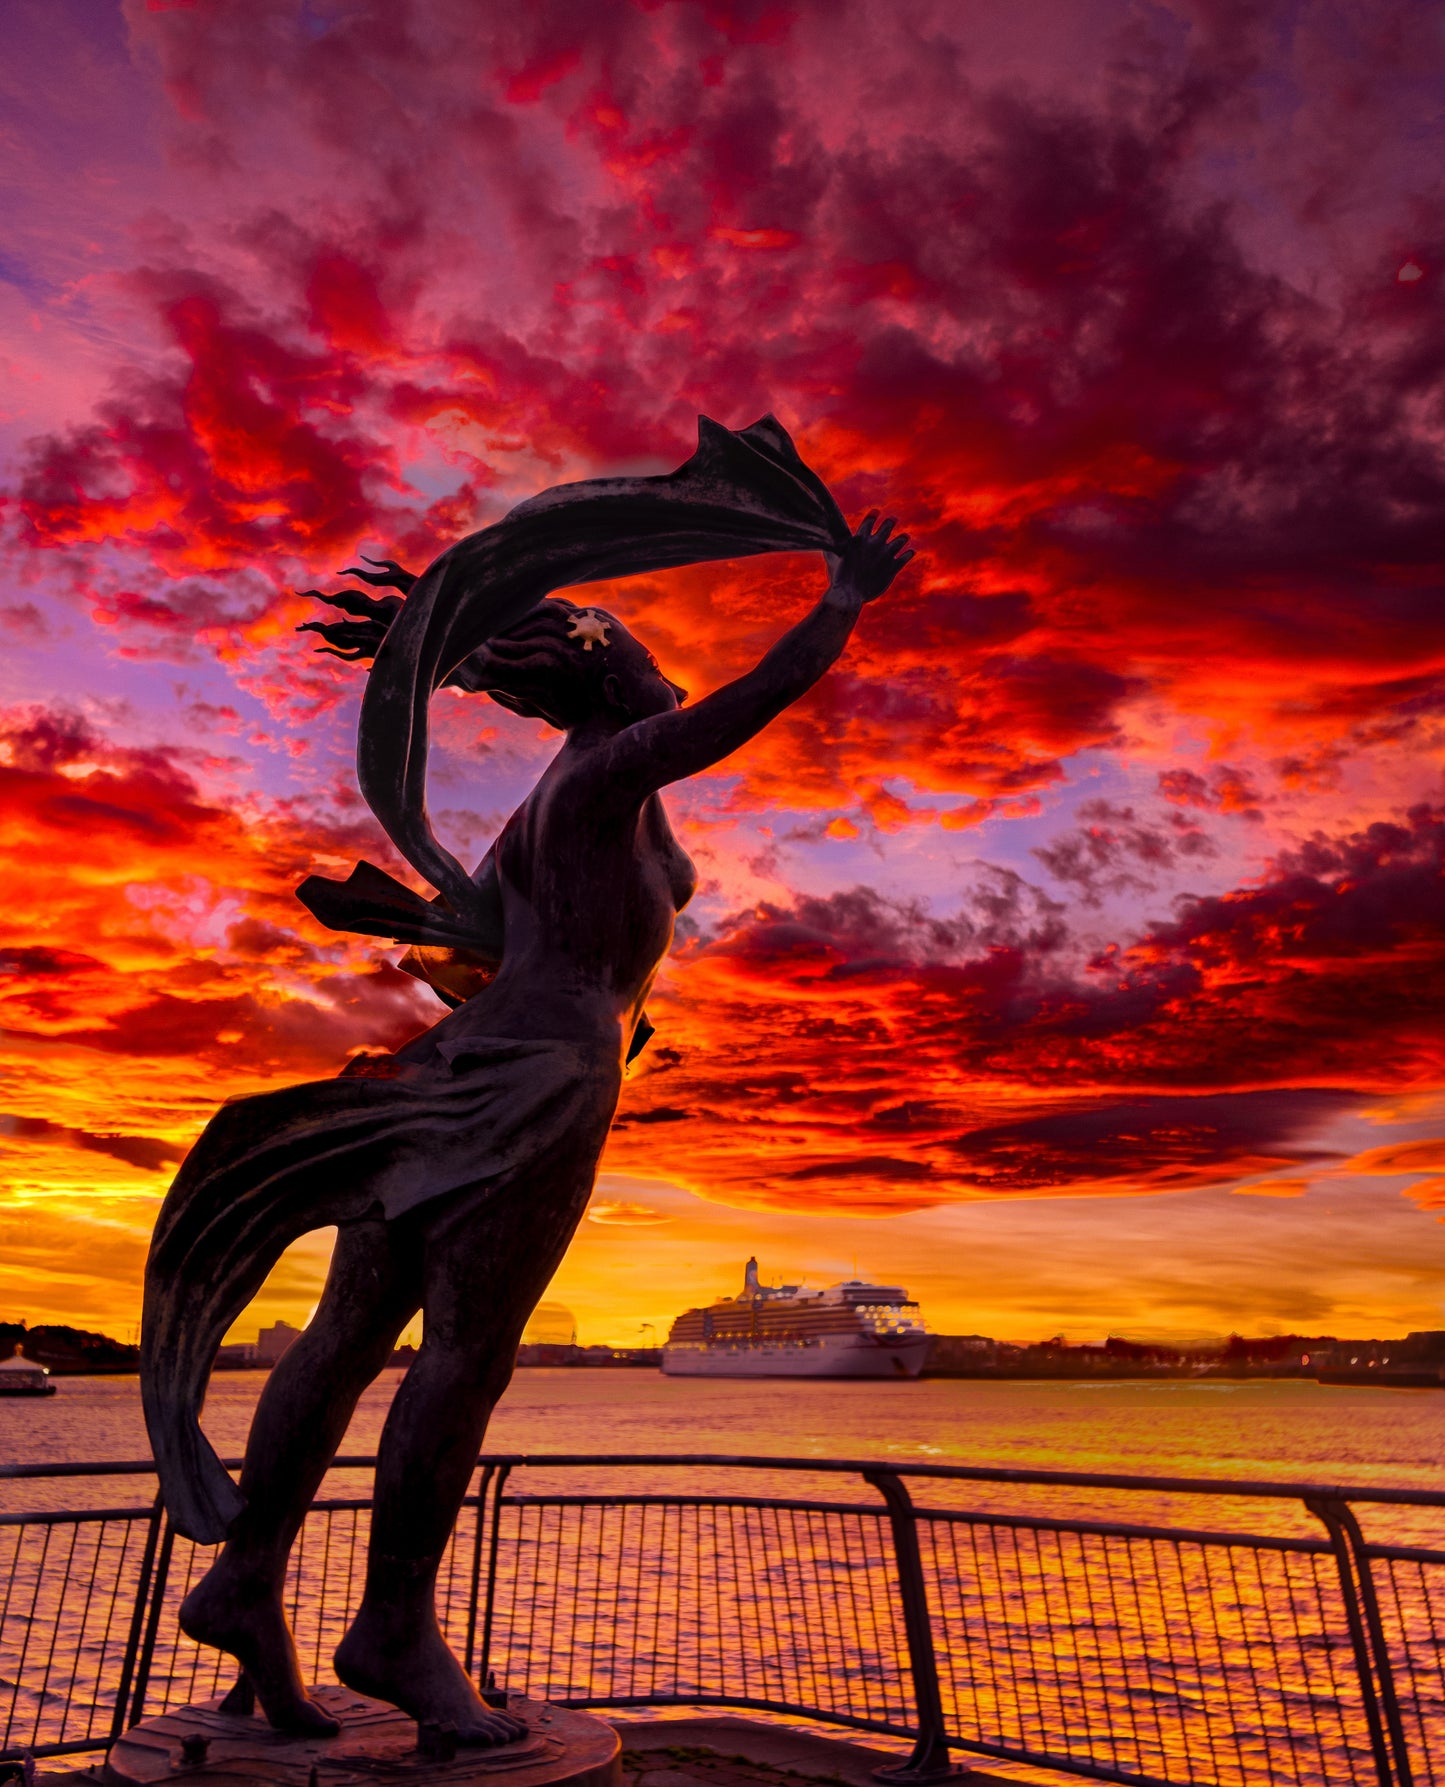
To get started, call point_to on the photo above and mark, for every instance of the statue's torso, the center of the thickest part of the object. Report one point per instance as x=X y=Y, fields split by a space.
x=589 y=897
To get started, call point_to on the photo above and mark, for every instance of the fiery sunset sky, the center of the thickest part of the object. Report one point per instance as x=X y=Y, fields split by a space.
x=1075 y=952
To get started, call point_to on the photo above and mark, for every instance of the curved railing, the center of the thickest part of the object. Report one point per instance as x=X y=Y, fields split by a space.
x=1001 y=1613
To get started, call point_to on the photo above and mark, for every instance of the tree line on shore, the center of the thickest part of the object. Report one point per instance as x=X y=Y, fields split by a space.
x=1417 y=1359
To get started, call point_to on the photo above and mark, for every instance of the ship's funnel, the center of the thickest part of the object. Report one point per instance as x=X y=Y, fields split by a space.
x=751 y=1287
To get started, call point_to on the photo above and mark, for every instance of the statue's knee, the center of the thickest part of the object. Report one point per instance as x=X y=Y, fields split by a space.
x=346 y=1347
x=484 y=1362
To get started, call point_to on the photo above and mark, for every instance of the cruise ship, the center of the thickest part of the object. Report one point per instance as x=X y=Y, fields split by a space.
x=852 y=1329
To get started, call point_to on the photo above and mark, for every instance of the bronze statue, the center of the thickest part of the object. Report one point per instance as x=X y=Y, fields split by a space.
x=457 y=1169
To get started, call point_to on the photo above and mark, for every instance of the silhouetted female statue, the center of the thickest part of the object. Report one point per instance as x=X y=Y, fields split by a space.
x=457 y=1169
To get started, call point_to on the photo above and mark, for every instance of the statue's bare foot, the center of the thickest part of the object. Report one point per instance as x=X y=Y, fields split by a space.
x=417 y=1672
x=235 y=1614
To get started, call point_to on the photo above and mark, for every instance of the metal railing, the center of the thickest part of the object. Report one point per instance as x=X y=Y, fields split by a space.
x=1155 y=1655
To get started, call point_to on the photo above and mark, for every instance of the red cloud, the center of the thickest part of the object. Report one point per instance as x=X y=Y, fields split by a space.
x=243 y=451
x=799 y=1040
x=1140 y=467
x=200 y=977
x=1161 y=488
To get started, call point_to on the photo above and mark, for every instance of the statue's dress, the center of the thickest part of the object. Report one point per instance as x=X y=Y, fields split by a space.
x=476 y=1114
x=485 y=1116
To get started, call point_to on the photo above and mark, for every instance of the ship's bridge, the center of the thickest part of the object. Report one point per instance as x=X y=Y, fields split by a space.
x=755 y=1291
x=885 y=1308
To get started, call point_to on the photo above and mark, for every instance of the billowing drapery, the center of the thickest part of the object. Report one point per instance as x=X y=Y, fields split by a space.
x=742 y=493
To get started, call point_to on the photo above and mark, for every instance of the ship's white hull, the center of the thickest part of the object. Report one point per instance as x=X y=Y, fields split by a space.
x=835 y=1356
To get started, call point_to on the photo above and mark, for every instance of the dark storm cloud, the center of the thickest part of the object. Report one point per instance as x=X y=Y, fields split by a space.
x=1114 y=851
x=1155 y=1142
x=147 y=1152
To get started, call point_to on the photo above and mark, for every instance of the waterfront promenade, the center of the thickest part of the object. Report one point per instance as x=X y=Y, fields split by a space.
x=715 y=1752
x=1127 y=1630
x=1228 y=1633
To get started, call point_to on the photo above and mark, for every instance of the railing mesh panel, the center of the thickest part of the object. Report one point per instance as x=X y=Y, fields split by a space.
x=1128 y=1653
x=607 y=1601
x=1193 y=1662
x=1411 y=1593
x=68 y=1590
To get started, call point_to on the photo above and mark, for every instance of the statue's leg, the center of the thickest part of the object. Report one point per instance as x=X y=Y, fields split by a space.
x=372 y=1291
x=485 y=1271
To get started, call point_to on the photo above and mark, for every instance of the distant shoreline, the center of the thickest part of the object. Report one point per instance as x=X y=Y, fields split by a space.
x=1370 y=1380
x=1361 y=1379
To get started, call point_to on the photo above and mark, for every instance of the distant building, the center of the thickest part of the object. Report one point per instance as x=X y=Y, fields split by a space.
x=537 y=1352
x=275 y=1342
x=1417 y=1360
x=1275 y=1355
x=962 y=1353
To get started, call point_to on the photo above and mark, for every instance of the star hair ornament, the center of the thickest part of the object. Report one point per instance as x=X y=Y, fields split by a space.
x=590 y=627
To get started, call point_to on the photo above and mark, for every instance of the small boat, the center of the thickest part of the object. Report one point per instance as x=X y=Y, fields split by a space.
x=855 y=1329
x=19 y=1377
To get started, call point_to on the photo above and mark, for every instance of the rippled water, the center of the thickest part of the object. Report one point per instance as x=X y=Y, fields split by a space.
x=1278 y=1431
x=1274 y=1429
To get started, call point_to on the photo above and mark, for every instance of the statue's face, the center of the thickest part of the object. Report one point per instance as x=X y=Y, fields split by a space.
x=638 y=684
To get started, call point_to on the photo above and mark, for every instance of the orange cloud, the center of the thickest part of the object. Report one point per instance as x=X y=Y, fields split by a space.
x=618 y=1213
x=876 y=1057
x=1429 y=1194
x=199 y=978
x=1400 y=1157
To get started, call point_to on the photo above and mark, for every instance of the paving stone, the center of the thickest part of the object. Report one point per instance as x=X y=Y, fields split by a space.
x=725 y=1751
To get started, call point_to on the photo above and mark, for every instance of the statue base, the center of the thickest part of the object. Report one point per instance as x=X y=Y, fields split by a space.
x=199 y=1745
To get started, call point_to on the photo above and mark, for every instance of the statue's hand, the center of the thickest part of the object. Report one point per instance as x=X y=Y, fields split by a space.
x=868 y=564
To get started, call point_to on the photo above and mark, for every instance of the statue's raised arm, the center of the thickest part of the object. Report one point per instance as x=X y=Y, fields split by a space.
x=667 y=747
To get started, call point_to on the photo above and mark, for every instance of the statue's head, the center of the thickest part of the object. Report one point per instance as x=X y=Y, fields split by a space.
x=560 y=663
x=569 y=665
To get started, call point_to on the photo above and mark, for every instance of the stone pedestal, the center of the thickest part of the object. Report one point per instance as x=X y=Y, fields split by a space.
x=201 y=1746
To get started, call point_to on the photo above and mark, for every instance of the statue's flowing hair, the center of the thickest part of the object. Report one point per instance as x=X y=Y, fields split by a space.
x=538 y=667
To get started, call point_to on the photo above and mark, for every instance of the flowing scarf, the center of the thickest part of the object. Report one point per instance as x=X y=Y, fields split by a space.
x=742 y=493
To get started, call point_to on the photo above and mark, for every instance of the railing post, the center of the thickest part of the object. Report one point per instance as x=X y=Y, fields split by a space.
x=930 y=1760
x=494 y=1539
x=1342 y=1514
x=474 y=1589
x=153 y=1622
x=1367 y=1636
x=137 y=1618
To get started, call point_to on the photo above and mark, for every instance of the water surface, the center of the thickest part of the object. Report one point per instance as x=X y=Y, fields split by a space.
x=1279 y=1431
